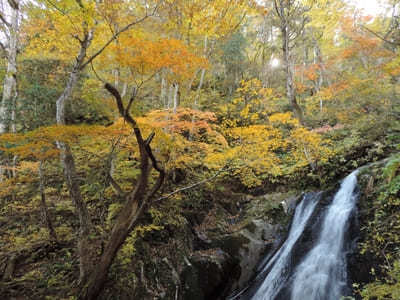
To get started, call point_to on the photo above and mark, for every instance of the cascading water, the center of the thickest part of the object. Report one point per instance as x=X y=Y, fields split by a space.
x=279 y=263
x=320 y=273
x=323 y=273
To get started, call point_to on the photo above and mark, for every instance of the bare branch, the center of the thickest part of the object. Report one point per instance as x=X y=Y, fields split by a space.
x=97 y=75
x=115 y=36
x=157 y=167
x=3 y=19
x=64 y=14
x=14 y=4
x=113 y=91
x=380 y=37
x=276 y=6
x=125 y=114
x=134 y=93
x=116 y=186
x=75 y=36
x=3 y=47
x=224 y=168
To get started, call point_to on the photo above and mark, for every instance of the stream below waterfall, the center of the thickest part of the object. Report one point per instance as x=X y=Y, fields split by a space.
x=311 y=264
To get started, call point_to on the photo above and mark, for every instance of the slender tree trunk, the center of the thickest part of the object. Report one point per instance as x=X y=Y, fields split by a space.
x=124 y=89
x=287 y=11
x=318 y=61
x=68 y=163
x=9 y=97
x=322 y=76
x=66 y=95
x=290 y=86
x=305 y=61
x=176 y=97
x=73 y=186
x=116 y=77
x=190 y=85
x=43 y=206
x=163 y=92
x=199 y=87
x=203 y=72
x=10 y=81
x=170 y=96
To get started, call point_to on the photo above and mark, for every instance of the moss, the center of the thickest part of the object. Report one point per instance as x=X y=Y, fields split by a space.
x=379 y=236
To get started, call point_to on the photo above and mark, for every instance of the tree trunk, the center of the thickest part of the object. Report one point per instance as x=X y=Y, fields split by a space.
x=43 y=206
x=176 y=97
x=135 y=204
x=68 y=163
x=290 y=86
x=73 y=186
x=66 y=95
x=203 y=72
x=190 y=85
x=170 y=96
x=163 y=92
x=196 y=100
x=9 y=97
x=124 y=89
x=199 y=87
x=318 y=60
x=124 y=225
x=10 y=81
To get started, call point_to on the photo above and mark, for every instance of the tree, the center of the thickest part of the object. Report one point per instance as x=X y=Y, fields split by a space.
x=143 y=58
x=10 y=29
x=137 y=201
x=81 y=23
x=291 y=21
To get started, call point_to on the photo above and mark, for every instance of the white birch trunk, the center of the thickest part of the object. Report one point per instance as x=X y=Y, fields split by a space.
x=9 y=97
x=163 y=92
x=203 y=72
x=124 y=90
x=176 y=97
x=7 y=107
x=196 y=100
x=170 y=96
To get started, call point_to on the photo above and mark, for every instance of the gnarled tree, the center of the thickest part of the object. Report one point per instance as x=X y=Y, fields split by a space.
x=137 y=201
x=82 y=23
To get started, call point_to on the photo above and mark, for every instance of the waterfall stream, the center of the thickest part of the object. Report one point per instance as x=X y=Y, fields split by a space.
x=321 y=272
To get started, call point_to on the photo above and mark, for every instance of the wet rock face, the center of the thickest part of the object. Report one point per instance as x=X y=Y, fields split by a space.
x=261 y=237
x=230 y=264
x=225 y=262
x=207 y=274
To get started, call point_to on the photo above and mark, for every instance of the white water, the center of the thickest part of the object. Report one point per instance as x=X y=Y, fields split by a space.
x=281 y=259
x=322 y=273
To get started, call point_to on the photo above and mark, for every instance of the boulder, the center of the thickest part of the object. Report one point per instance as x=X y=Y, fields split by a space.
x=207 y=274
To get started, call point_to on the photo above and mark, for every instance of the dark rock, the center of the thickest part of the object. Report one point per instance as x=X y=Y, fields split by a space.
x=207 y=274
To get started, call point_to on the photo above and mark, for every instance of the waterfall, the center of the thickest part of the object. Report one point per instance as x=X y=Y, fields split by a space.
x=323 y=272
x=279 y=263
x=320 y=273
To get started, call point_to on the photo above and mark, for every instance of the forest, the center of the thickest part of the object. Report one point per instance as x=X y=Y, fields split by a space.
x=143 y=142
